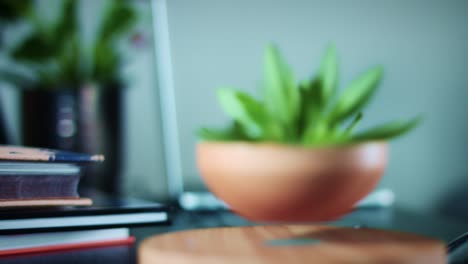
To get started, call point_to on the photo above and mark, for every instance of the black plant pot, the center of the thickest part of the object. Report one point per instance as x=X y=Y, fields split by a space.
x=3 y=128
x=86 y=119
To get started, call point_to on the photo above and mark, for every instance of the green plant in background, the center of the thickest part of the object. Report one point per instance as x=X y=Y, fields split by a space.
x=308 y=113
x=12 y=10
x=56 y=53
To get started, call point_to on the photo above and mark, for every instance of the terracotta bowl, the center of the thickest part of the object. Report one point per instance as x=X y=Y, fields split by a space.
x=280 y=183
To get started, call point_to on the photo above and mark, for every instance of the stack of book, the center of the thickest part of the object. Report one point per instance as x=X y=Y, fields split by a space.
x=41 y=177
x=41 y=209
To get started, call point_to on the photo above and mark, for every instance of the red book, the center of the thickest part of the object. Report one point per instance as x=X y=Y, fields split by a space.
x=62 y=241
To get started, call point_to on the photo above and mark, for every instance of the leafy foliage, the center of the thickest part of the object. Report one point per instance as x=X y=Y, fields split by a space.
x=309 y=113
x=13 y=9
x=118 y=19
x=56 y=53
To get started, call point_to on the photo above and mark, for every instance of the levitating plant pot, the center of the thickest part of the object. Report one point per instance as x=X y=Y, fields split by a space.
x=272 y=182
x=293 y=157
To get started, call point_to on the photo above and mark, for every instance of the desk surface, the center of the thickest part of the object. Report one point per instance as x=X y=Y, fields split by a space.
x=389 y=219
x=290 y=244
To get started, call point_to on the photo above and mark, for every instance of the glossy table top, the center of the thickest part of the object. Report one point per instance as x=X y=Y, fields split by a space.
x=389 y=219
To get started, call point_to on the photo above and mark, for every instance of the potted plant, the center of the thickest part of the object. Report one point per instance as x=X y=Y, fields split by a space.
x=294 y=156
x=72 y=86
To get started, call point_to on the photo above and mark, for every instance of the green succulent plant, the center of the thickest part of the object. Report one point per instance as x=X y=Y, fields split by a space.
x=308 y=113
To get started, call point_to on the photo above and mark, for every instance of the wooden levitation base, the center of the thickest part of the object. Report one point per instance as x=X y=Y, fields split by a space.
x=290 y=244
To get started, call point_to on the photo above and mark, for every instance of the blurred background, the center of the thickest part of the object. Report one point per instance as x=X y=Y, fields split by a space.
x=139 y=88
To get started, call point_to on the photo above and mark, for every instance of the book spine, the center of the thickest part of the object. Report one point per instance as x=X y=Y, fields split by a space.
x=38 y=186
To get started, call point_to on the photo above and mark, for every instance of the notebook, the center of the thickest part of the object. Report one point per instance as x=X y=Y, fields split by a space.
x=106 y=212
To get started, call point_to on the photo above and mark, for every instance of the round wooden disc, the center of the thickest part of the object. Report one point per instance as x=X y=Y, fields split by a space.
x=290 y=244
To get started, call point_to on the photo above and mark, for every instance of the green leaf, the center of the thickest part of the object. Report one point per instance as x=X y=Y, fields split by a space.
x=232 y=133
x=315 y=94
x=69 y=61
x=106 y=61
x=208 y=134
x=250 y=113
x=328 y=75
x=353 y=123
x=310 y=107
x=66 y=25
x=118 y=18
x=315 y=134
x=48 y=44
x=34 y=48
x=387 y=131
x=356 y=95
x=281 y=94
x=11 y=10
